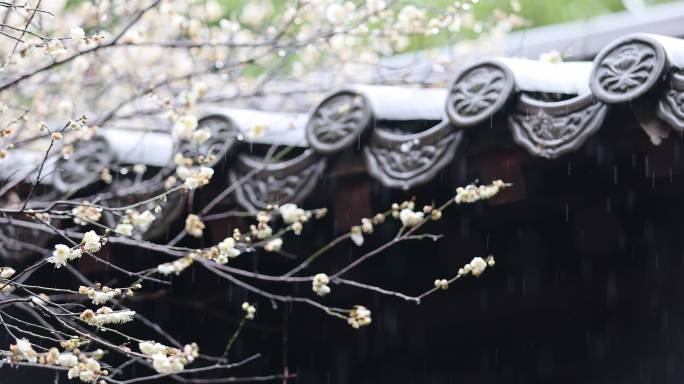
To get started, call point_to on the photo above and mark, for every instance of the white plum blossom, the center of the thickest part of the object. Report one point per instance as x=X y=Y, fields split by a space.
x=366 y=225
x=374 y=6
x=56 y=49
x=274 y=245
x=477 y=266
x=336 y=13
x=410 y=218
x=291 y=213
x=261 y=231
x=86 y=213
x=163 y=364
x=229 y=26
x=7 y=272
x=410 y=19
x=200 y=136
x=191 y=183
x=132 y=36
x=319 y=284
x=124 y=229
x=151 y=348
x=106 y=315
x=185 y=126
x=167 y=360
x=194 y=225
x=357 y=235
x=77 y=34
x=67 y=359
x=142 y=221
x=249 y=309
x=91 y=242
x=87 y=371
x=176 y=266
x=473 y=193
x=140 y=169
x=205 y=174
x=23 y=350
x=62 y=254
x=101 y=295
x=255 y=12
x=359 y=316
x=198 y=177
x=227 y=248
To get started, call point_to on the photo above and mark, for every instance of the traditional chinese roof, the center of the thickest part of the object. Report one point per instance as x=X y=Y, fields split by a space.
x=407 y=136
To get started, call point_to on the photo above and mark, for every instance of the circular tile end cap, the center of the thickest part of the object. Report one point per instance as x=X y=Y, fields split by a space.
x=338 y=121
x=627 y=69
x=478 y=92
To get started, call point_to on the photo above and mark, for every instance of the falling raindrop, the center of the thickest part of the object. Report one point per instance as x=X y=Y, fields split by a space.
x=556 y=276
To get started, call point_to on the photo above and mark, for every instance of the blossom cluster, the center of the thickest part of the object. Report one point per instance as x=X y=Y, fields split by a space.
x=135 y=221
x=167 y=360
x=62 y=254
x=476 y=266
x=106 y=315
x=410 y=218
x=176 y=266
x=86 y=213
x=262 y=230
x=250 y=310
x=87 y=371
x=472 y=193
x=100 y=294
x=192 y=175
x=227 y=250
x=319 y=284
x=404 y=212
x=359 y=316
x=82 y=366
x=23 y=350
x=91 y=242
x=7 y=272
x=442 y=284
x=367 y=227
x=205 y=40
x=194 y=225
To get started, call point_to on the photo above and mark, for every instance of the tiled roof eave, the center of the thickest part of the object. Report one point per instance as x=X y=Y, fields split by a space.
x=550 y=110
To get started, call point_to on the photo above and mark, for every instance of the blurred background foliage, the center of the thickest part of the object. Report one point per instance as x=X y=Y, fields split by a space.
x=535 y=12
